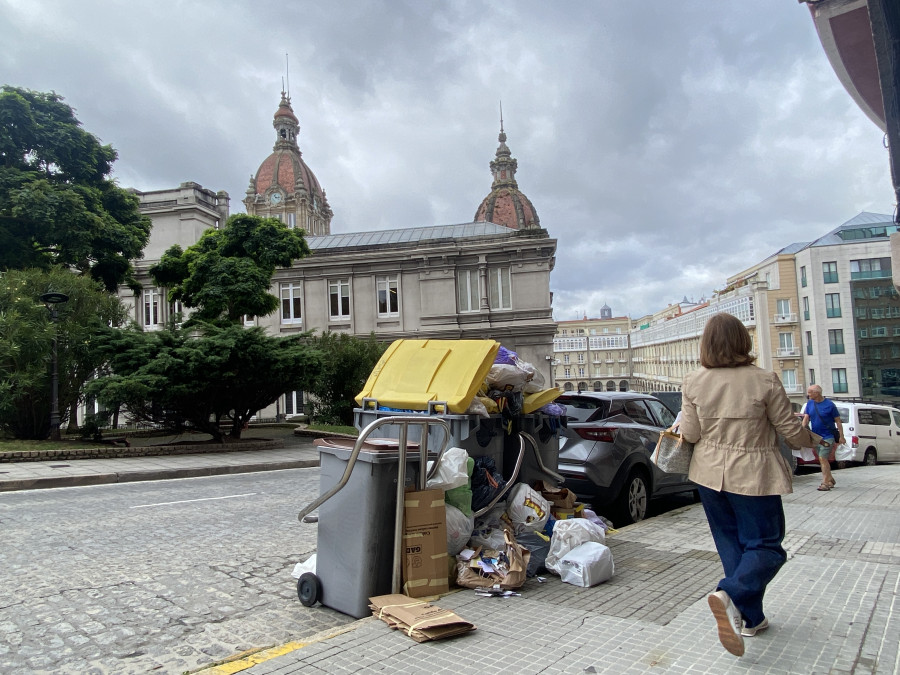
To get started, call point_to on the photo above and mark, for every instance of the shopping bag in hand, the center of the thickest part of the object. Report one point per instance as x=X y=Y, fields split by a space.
x=672 y=453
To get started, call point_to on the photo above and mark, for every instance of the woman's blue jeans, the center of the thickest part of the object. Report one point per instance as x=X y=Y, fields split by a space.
x=748 y=532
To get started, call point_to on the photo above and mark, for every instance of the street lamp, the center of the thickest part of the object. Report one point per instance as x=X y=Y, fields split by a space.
x=51 y=300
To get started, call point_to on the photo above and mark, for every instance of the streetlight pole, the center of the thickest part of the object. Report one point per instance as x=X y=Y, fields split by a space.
x=51 y=300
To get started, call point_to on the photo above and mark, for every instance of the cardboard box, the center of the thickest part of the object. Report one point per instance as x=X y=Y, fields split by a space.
x=561 y=498
x=424 y=544
x=418 y=619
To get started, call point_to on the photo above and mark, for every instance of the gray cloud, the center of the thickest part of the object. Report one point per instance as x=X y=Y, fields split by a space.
x=665 y=145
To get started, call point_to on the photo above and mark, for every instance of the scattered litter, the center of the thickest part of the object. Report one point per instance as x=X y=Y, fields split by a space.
x=301 y=568
x=495 y=592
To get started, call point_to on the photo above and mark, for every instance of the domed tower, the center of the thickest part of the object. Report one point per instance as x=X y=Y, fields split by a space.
x=284 y=187
x=506 y=205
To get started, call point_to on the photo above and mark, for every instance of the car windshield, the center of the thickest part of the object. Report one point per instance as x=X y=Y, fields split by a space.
x=585 y=408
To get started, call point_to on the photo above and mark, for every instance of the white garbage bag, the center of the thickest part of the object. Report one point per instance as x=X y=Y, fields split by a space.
x=587 y=565
x=459 y=529
x=452 y=471
x=308 y=565
x=567 y=534
x=527 y=509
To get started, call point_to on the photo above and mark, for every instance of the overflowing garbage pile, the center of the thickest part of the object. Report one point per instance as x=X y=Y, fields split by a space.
x=535 y=528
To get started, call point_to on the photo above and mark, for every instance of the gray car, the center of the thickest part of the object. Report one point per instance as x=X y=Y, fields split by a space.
x=605 y=450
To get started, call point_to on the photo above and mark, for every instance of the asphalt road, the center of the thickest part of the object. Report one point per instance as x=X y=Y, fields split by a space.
x=163 y=576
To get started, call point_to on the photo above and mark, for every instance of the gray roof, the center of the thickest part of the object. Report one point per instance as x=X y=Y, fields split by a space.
x=861 y=220
x=407 y=235
x=793 y=248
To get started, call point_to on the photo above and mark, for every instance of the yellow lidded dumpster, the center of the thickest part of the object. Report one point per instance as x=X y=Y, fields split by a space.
x=413 y=372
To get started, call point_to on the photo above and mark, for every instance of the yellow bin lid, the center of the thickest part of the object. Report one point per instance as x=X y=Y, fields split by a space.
x=539 y=399
x=413 y=372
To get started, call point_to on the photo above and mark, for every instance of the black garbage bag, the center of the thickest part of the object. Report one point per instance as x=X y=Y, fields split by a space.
x=486 y=482
x=539 y=545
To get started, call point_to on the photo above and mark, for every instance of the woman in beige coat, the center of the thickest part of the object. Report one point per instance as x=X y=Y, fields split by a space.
x=732 y=411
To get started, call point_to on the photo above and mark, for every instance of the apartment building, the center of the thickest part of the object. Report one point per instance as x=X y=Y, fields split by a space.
x=592 y=354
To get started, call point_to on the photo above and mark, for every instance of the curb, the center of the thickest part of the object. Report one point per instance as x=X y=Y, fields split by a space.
x=17 y=484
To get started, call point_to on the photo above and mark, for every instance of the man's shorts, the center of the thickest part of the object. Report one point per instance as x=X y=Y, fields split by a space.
x=825 y=450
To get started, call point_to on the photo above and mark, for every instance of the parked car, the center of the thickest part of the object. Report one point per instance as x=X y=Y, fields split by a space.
x=872 y=430
x=605 y=449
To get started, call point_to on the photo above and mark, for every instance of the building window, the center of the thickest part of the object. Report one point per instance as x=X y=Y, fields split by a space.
x=836 y=341
x=292 y=220
x=291 y=303
x=566 y=358
x=832 y=305
x=839 y=380
x=786 y=342
x=152 y=316
x=829 y=272
x=803 y=277
x=860 y=312
x=896 y=331
x=580 y=358
x=499 y=292
x=388 y=288
x=580 y=371
x=467 y=290
x=806 y=309
x=789 y=380
x=339 y=298
x=812 y=376
x=873 y=268
x=863 y=332
x=293 y=403
x=249 y=320
x=783 y=307
x=879 y=331
x=809 y=347
x=568 y=373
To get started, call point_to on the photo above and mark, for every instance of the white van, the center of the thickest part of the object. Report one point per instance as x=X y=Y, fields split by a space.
x=873 y=431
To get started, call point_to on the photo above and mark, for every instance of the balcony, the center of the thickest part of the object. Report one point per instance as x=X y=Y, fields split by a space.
x=788 y=352
x=781 y=319
x=793 y=388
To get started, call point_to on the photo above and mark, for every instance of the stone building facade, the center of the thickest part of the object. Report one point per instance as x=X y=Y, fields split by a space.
x=478 y=280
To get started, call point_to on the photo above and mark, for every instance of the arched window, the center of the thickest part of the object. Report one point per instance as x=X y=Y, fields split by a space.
x=623 y=385
x=610 y=386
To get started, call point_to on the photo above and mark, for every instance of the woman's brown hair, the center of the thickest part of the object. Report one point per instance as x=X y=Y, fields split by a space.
x=726 y=343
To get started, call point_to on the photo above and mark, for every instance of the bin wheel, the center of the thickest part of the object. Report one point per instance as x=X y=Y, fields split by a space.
x=309 y=589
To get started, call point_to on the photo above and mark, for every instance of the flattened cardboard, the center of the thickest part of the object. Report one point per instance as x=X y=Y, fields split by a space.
x=425 y=544
x=420 y=620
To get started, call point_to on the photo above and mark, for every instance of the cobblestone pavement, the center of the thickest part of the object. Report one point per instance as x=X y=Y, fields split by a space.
x=833 y=608
x=154 y=577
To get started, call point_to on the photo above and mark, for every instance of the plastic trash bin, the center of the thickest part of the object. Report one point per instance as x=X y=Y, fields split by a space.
x=411 y=373
x=355 y=549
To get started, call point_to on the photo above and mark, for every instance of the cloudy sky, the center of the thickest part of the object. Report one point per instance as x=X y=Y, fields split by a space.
x=665 y=145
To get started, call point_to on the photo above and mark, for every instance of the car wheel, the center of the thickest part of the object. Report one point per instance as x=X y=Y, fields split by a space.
x=870 y=458
x=633 y=501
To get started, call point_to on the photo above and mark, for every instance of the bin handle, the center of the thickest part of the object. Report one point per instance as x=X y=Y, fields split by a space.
x=404 y=420
x=509 y=481
x=537 y=456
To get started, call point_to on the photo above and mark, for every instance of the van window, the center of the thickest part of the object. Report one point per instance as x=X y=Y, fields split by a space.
x=844 y=413
x=874 y=416
x=896 y=415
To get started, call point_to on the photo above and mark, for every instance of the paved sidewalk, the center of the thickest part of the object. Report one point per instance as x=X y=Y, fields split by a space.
x=66 y=473
x=833 y=608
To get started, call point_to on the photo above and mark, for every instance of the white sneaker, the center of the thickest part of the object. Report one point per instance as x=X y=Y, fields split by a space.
x=750 y=632
x=728 y=619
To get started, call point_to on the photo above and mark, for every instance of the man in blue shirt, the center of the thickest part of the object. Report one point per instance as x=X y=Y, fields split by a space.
x=821 y=415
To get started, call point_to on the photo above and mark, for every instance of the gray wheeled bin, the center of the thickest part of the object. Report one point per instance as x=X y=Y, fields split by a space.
x=355 y=537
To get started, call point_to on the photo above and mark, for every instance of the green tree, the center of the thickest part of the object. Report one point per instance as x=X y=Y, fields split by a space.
x=26 y=335
x=347 y=361
x=228 y=272
x=58 y=205
x=197 y=378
